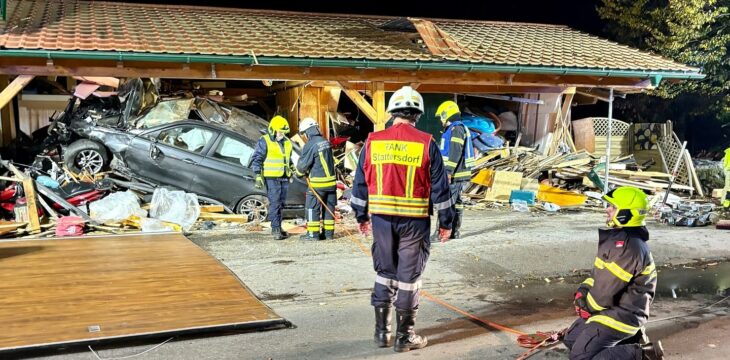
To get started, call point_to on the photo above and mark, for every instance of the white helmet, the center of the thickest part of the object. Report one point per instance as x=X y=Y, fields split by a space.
x=306 y=124
x=405 y=98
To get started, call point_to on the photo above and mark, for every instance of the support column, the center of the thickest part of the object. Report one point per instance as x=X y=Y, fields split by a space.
x=608 y=139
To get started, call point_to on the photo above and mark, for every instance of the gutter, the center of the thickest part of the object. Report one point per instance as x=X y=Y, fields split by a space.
x=654 y=76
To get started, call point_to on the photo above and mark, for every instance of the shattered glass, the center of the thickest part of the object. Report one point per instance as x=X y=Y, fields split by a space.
x=165 y=113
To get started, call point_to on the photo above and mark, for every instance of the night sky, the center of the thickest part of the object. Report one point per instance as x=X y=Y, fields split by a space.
x=578 y=14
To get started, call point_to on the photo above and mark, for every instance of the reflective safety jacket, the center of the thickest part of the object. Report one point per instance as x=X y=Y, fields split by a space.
x=317 y=161
x=623 y=281
x=401 y=173
x=272 y=158
x=457 y=151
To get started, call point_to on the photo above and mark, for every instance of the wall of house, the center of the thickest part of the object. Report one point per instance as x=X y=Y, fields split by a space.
x=35 y=111
x=538 y=121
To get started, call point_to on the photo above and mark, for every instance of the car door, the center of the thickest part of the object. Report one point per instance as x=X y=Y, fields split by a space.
x=171 y=155
x=224 y=174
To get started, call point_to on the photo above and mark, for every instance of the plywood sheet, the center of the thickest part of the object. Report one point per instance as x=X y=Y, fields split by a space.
x=502 y=185
x=90 y=288
x=584 y=134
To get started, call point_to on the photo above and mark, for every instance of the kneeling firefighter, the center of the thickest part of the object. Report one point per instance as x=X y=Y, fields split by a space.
x=613 y=304
x=318 y=164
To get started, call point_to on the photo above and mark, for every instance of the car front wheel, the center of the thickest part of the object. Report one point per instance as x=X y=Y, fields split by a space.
x=86 y=155
x=255 y=207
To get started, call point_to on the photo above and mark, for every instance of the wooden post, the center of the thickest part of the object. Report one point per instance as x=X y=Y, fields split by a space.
x=7 y=113
x=34 y=225
x=361 y=103
x=330 y=99
x=377 y=89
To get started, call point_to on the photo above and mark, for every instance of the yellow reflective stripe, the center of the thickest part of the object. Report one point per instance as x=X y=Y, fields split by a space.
x=324 y=165
x=324 y=184
x=410 y=179
x=588 y=282
x=394 y=210
x=449 y=163
x=619 y=272
x=457 y=140
x=599 y=264
x=329 y=221
x=648 y=269
x=613 y=324
x=653 y=275
x=398 y=199
x=462 y=173
x=593 y=304
x=379 y=177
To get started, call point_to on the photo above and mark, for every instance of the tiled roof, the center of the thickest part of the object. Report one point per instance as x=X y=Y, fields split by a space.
x=166 y=29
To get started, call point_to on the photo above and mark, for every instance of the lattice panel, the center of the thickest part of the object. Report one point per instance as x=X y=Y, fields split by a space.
x=671 y=147
x=618 y=127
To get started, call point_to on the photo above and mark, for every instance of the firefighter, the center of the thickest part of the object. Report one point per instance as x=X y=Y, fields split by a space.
x=458 y=154
x=317 y=162
x=613 y=304
x=400 y=180
x=272 y=165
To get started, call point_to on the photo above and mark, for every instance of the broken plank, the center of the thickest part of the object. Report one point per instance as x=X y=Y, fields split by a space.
x=212 y=208
x=34 y=223
x=14 y=88
x=238 y=218
x=502 y=185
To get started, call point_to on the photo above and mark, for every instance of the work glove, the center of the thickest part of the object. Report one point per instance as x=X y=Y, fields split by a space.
x=364 y=228
x=260 y=184
x=444 y=235
x=581 y=306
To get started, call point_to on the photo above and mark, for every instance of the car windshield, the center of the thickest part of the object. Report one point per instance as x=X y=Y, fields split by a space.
x=166 y=112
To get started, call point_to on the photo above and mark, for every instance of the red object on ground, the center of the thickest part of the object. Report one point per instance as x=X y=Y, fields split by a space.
x=70 y=226
x=337 y=141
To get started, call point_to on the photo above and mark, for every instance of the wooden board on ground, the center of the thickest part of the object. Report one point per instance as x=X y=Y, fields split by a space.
x=212 y=208
x=237 y=218
x=10 y=226
x=483 y=177
x=74 y=290
x=503 y=184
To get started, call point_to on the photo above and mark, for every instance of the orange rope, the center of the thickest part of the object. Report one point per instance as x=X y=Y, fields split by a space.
x=425 y=294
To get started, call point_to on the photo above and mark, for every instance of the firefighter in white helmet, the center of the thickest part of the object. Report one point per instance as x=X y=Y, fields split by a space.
x=318 y=164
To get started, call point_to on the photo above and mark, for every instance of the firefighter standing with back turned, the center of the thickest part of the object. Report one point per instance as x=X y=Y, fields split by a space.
x=458 y=153
x=272 y=162
x=399 y=180
x=317 y=162
x=613 y=304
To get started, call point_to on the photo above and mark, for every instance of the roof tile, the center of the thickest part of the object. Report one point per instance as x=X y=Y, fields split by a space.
x=172 y=29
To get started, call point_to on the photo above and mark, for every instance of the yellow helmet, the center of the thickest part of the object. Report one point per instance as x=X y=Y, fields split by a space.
x=631 y=206
x=446 y=110
x=278 y=123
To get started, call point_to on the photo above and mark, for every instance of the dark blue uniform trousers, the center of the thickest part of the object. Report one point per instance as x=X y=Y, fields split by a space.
x=598 y=342
x=276 y=192
x=400 y=252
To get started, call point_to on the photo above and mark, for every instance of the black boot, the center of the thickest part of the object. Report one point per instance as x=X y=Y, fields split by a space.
x=383 y=336
x=652 y=351
x=455 y=234
x=278 y=234
x=405 y=338
x=310 y=236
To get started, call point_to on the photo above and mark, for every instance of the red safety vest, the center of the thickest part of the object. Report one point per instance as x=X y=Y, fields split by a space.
x=397 y=171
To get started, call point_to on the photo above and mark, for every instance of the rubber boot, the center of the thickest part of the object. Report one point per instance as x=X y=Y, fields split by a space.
x=652 y=351
x=455 y=233
x=278 y=234
x=315 y=236
x=383 y=335
x=329 y=234
x=405 y=338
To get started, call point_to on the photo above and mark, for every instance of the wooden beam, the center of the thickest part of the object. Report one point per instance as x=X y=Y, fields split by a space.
x=309 y=103
x=453 y=89
x=34 y=224
x=329 y=101
x=361 y=103
x=377 y=89
x=14 y=88
x=68 y=67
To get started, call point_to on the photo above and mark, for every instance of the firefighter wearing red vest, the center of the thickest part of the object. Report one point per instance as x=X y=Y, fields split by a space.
x=271 y=162
x=400 y=180
x=613 y=304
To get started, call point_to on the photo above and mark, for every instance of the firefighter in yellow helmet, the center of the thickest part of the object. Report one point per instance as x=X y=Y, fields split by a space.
x=613 y=304
x=272 y=165
x=458 y=154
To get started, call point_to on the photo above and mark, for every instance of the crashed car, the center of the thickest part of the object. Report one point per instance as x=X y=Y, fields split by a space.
x=193 y=144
